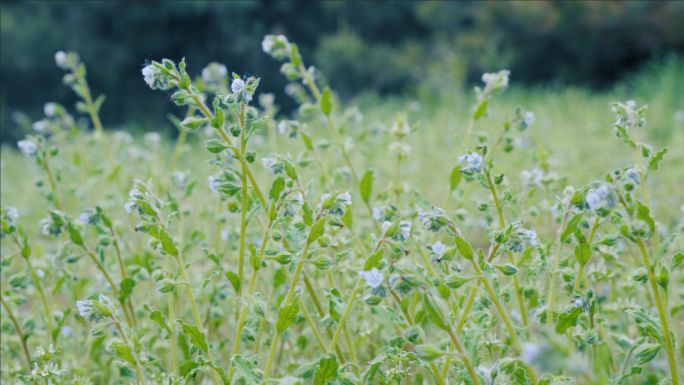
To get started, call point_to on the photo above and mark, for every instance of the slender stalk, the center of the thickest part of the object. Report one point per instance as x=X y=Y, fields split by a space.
x=172 y=314
x=138 y=369
x=243 y=311
x=182 y=135
x=347 y=337
x=409 y=319
x=19 y=333
x=578 y=280
x=552 y=283
x=115 y=242
x=502 y=222
x=465 y=359
x=662 y=307
x=262 y=323
x=243 y=222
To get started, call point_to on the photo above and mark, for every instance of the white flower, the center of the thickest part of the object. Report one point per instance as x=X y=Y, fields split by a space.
x=84 y=218
x=50 y=109
x=632 y=175
x=180 y=176
x=282 y=127
x=593 y=200
x=475 y=161
x=421 y=216
x=496 y=80
x=38 y=126
x=299 y=199
x=27 y=147
x=602 y=191
x=225 y=234
x=405 y=228
x=377 y=214
x=373 y=278
x=66 y=331
x=60 y=59
x=529 y=118
x=152 y=137
x=268 y=162
x=530 y=352
x=237 y=86
x=461 y=159
x=134 y=193
x=40 y=273
x=532 y=235
x=212 y=184
x=386 y=225
x=578 y=303
x=438 y=248
x=267 y=44
x=84 y=307
x=345 y=198
x=679 y=116
x=569 y=191
x=129 y=207
x=148 y=73
x=14 y=213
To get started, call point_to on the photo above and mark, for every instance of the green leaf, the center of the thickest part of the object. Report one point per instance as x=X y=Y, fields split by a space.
x=644 y=214
x=74 y=234
x=326 y=101
x=307 y=140
x=455 y=178
x=397 y=319
x=201 y=360
x=167 y=243
x=326 y=370
x=348 y=218
x=234 y=280
x=287 y=315
x=463 y=247
x=367 y=186
x=158 y=317
x=307 y=214
x=242 y=369
x=374 y=260
x=191 y=124
x=677 y=260
x=124 y=351
x=571 y=226
x=276 y=188
x=646 y=352
x=568 y=319
x=582 y=249
x=317 y=230
x=454 y=281
x=428 y=352
x=481 y=109
x=434 y=312
x=197 y=337
x=655 y=159
x=126 y=288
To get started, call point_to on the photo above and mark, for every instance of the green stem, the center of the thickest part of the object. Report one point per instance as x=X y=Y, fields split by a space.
x=138 y=369
x=182 y=135
x=465 y=359
x=347 y=337
x=123 y=272
x=262 y=323
x=243 y=223
x=51 y=181
x=172 y=315
x=552 y=283
x=19 y=333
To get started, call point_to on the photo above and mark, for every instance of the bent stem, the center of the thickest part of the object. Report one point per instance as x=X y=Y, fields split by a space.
x=19 y=333
x=552 y=284
x=138 y=369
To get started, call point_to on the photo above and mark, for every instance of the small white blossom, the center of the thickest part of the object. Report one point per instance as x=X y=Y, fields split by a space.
x=602 y=191
x=50 y=109
x=267 y=45
x=373 y=278
x=66 y=331
x=679 y=116
x=129 y=207
x=282 y=127
x=578 y=303
x=225 y=234
x=593 y=200
x=148 y=73
x=84 y=307
x=568 y=191
x=530 y=352
x=298 y=199
x=475 y=162
x=12 y=212
x=268 y=162
x=438 y=248
x=532 y=235
x=461 y=159
x=238 y=85
x=529 y=118
x=496 y=80
x=27 y=147
x=386 y=225
x=40 y=273
x=377 y=214
x=134 y=193
x=405 y=229
x=152 y=137
x=345 y=198
x=39 y=126
x=84 y=218
x=212 y=184
x=60 y=59
x=631 y=174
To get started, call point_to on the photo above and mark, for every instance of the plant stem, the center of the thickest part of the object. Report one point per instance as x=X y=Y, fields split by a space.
x=552 y=284
x=409 y=319
x=138 y=369
x=182 y=135
x=19 y=333
x=172 y=314
x=243 y=208
x=350 y=345
x=115 y=242
x=262 y=323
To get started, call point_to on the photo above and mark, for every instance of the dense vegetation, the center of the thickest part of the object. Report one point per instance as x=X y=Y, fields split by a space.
x=384 y=240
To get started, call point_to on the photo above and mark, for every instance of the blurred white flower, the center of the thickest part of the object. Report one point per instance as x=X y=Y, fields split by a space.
x=266 y=45
x=40 y=273
x=475 y=162
x=66 y=331
x=60 y=59
x=529 y=118
x=129 y=207
x=593 y=200
x=373 y=278
x=84 y=307
x=225 y=234
x=298 y=199
x=679 y=116
x=152 y=137
x=631 y=174
x=27 y=147
x=148 y=73
x=404 y=228
x=84 y=218
x=212 y=183
x=50 y=109
x=345 y=198
x=578 y=303
x=530 y=352
x=602 y=191
x=532 y=235
x=377 y=214
x=282 y=127
x=12 y=212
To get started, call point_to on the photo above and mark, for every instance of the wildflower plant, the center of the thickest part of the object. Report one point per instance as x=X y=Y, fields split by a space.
x=280 y=260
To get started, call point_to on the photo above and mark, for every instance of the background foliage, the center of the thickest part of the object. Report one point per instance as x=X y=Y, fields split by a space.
x=357 y=45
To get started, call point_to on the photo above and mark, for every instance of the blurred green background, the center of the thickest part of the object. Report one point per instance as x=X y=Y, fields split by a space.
x=413 y=49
